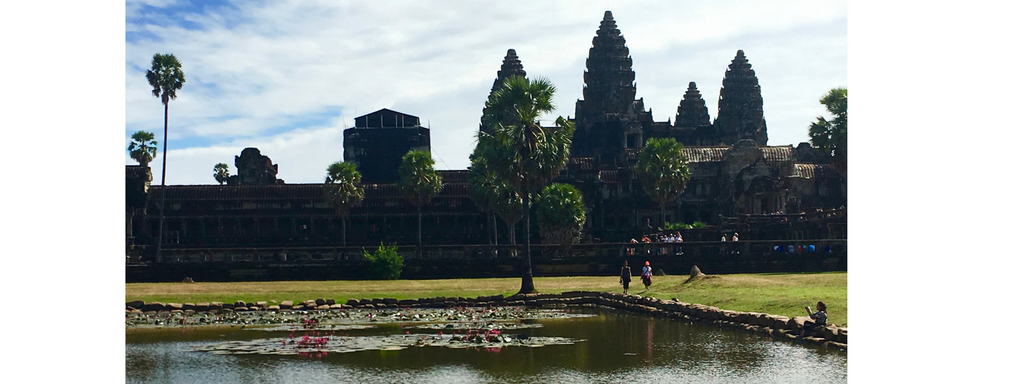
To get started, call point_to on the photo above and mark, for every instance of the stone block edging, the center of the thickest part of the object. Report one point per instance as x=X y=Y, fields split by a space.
x=774 y=326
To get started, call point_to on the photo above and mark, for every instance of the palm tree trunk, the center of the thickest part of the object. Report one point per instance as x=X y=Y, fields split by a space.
x=419 y=226
x=344 y=243
x=494 y=226
x=662 y=215
x=527 y=286
x=163 y=192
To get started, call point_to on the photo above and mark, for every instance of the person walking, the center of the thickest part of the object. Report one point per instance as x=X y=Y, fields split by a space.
x=625 y=275
x=645 y=275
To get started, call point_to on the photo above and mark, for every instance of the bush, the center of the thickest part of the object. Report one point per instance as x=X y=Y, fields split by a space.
x=695 y=225
x=385 y=263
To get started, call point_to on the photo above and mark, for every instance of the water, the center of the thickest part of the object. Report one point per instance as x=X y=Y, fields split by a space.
x=619 y=347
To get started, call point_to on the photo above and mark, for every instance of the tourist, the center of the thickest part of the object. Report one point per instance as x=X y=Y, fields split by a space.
x=645 y=275
x=723 y=237
x=631 y=249
x=624 y=277
x=819 y=318
x=735 y=237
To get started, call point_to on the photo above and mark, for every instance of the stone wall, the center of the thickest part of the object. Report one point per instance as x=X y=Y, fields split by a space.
x=440 y=262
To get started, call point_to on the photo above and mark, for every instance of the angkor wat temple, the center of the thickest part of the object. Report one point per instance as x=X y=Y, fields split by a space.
x=738 y=183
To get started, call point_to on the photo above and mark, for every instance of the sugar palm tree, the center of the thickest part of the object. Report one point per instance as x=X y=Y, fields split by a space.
x=830 y=135
x=419 y=183
x=662 y=170
x=560 y=214
x=221 y=173
x=530 y=155
x=166 y=78
x=142 y=147
x=342 y=191
x=489 y=191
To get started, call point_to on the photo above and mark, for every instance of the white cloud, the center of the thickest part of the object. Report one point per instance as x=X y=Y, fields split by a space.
x=254 y=70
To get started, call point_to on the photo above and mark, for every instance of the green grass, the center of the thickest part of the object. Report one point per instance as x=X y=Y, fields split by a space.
x=779 y=294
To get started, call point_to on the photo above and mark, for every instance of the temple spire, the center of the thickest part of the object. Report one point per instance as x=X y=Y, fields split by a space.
x=740 y=107
x=510 y=66
x=692 y=111
x=608 y=80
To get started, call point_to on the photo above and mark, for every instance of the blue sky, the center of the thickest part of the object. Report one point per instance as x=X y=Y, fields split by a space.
x=288 y=77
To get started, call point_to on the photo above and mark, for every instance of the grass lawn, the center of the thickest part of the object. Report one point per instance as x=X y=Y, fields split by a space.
x=780 y=294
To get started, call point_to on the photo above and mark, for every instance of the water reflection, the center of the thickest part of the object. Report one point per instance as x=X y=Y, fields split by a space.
x=620 y=347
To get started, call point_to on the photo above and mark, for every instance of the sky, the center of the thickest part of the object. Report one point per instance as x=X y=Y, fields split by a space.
x=288 y=77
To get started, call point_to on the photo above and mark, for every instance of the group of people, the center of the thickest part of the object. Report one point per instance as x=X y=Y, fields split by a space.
x=626 y=275
x=735 y=237
x=660 y=238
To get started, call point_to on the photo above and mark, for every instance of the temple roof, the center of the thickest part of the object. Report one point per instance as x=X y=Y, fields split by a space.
x=136 y=172
x=815 y=171
x=704 y=154
x=715 y=154
x=285 y=191
x=780 y=153
x=386 y=118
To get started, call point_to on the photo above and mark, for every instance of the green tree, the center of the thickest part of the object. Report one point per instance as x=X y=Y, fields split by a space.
x=662 y=170
x=830 y=135
x=166 y=78
x=385 y=262
x=528 y=155
x=342 y=191
x=419 y=183
x=560 y=214
x=489 y=191
x=142 y=147
x=221 y=173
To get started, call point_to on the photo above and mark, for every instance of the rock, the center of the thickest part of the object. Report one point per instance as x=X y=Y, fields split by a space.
x=187 y=280
x=201 y=307
x=320 y=302
x=255 y=308
x=188 y=306
x=797 y=323
x=216 y=305
x=323 y=307
x=155 y=306
x=274 y=308
x=335 y=306
x=261 y=304
x=239 y=304
x=287 y=304
x=174 y=306
x=695 y=272
x=390 y=301
x=137 y=304
x=352 y=302
x=330 y=302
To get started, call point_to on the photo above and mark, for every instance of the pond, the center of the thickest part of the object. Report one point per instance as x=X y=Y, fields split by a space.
x=574 y=345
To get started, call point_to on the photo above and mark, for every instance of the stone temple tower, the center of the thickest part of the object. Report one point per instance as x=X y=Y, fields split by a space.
x=510 y=66
x=740 y=107
x=608 y=119
x=692 y=111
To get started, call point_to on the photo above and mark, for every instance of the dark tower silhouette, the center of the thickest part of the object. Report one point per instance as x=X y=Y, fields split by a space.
x=740 y=107
x=609 y=119
x=510 y=66
x=692 y=111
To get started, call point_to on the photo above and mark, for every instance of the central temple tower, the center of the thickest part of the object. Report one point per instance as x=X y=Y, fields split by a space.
x=609 y=119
